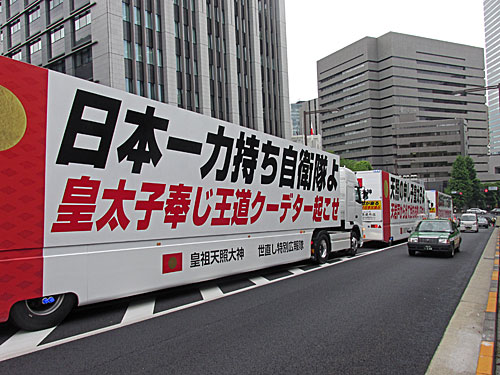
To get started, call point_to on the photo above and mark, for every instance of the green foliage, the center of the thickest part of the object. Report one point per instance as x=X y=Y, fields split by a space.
x=468 y=188
x=353 y=165
x=363 y=165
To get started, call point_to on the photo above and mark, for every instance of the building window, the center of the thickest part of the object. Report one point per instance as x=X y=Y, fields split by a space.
x=126 y=12
x=82 y=20
x=35 y=47
x=18 y=56
x=159 y=55
x=140 y=88
x=137 y=16
x=57 y=34
x=34 y=15
x=129 y=85
x=138 y=52
x=158 y=23
x=127 y=49
x=15 y=27
x=82 y=61
x=149 y=20
x=54 y=3
x=12 y=2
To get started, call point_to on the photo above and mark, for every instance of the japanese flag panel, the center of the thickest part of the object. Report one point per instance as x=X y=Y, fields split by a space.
x=124 y=168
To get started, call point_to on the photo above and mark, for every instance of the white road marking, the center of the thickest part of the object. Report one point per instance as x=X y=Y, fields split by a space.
x=22 y=342
x=27 y=342
x=211 y=292
x=139 y=310
x=296 y=271
x=259 y=280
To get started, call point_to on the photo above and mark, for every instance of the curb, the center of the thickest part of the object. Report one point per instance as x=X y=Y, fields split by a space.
x=486 y=360
x=468 y=343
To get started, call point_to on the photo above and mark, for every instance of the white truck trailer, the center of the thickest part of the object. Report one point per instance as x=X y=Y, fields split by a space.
x=105 y=194
x=440 y=205
x=392 y=205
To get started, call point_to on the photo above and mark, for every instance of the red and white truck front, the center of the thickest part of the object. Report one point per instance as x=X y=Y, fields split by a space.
x=440 y=205
x=392 y=205
x=106 y=194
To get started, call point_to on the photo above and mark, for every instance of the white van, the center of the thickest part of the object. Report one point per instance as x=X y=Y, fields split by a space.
x=468 y=222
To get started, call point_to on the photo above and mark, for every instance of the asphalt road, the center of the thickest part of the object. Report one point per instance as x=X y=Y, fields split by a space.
x=384 y=313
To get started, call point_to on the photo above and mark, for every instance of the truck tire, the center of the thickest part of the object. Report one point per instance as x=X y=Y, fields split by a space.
x=354 y=244
x=321 y=245
x=34 y=314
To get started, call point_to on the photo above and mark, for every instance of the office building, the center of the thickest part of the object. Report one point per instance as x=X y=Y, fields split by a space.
x=378 y=83
x=492 y=51
x=222 y=58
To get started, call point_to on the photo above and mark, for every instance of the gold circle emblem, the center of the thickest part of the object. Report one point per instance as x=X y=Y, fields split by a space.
x=12 y=119
x=386 y=189
x=172 y=263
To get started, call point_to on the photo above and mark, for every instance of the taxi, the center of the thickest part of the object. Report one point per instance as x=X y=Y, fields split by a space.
x=435 y=235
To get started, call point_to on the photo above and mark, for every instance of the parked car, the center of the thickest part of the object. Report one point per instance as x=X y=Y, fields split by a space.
x=468 y=222
x=476 y=211
x=495 y=211
x=435 y=235
x=483 y=222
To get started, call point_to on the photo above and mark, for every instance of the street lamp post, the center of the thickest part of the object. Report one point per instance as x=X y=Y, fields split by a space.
x=315 y=111
x=483 y=88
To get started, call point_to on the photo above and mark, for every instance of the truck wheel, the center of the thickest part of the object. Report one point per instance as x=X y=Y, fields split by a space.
x=40 y=313
x=321 y=247
x=354 y=244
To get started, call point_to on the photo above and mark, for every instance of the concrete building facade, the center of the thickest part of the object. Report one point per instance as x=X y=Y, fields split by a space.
x=492 y=51
x=223 y=58
x=379 y=83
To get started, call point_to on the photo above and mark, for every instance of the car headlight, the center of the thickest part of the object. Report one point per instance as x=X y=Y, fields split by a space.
x=444 y=240
x=413 y=239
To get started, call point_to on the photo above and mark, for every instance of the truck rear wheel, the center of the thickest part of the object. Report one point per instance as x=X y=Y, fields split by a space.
x=321 y=246
x=354 y=244
x=40 y=313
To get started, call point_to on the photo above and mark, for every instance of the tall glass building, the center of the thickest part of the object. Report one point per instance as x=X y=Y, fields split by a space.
x=492 y=34
x=222 y=58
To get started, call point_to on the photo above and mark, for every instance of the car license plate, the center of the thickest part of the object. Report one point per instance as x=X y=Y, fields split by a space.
x=427 y=247
x=468 y=227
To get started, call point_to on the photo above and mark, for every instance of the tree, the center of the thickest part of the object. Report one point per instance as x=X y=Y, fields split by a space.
x=460 y=182
x=477 y=198
x=347 y=163
x=353 y=165
x=362 y=165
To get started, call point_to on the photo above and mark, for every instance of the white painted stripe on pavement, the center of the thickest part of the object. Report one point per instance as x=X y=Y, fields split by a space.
x=210 y=293
x=296 y=271
x=139 y=310
x=259 y=280
x=23 y=342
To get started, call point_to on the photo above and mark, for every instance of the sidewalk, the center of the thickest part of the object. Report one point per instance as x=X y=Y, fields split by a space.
x=468 y=344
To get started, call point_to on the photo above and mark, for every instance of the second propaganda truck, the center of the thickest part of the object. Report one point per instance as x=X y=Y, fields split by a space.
x=105 y=194
x=392 y=207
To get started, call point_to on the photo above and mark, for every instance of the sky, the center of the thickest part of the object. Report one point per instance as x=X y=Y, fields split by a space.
x=318 y=28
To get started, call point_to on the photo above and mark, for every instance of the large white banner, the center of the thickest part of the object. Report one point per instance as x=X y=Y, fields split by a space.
x=120 y=167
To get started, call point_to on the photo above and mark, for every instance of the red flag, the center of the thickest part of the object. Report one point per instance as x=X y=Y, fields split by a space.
x=172 y=262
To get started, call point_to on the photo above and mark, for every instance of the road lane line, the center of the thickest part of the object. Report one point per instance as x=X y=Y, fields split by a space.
x=295 y=271
x=138 y=310
x=211 y=292
x=23 y=342
x=259 y=280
